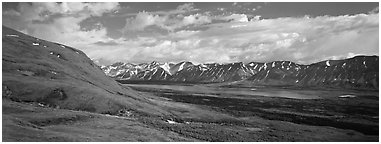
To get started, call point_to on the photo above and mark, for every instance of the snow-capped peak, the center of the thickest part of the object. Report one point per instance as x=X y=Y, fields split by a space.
x=166 y=67
x=155 y=63
x=202 y=65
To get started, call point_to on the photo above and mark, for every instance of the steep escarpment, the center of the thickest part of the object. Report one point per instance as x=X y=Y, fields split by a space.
x=56 y=75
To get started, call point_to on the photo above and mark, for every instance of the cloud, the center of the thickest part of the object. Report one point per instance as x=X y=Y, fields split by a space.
x=42 y=10
x=221 y=38
x=236 y=17
x=181 y=9
x=303 y=39
x=186 y=7
x=60 y=22
x=375 y=10
x=196 y=19
x=106 y=43
x=168 y=20
x=146 y=19
x=30 y=15
x=143 y=20
x=66 y=30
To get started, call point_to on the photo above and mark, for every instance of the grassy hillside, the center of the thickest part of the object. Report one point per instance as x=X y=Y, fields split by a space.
x=56 y=75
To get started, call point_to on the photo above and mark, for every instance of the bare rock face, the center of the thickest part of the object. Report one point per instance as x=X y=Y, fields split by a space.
x=36 y=70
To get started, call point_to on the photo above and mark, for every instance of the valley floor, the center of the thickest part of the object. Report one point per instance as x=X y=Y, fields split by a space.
x=206 y=113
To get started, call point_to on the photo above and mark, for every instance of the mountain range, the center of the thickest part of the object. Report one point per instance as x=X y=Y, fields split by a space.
x=360 y=72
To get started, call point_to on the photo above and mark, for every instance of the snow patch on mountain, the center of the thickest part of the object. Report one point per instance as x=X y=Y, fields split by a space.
x=265 y=66
x=166 y=67
x=181 y=66
x=11 y=35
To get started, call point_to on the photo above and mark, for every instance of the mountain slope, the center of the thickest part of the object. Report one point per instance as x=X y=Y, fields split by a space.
x=56 y=75
x=360 y=72
x=357 y=72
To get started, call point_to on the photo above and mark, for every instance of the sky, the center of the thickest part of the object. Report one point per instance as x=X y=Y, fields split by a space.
x=203 y=32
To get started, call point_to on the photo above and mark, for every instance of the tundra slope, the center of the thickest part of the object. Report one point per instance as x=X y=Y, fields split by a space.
x=36 y=70
x=360 y=72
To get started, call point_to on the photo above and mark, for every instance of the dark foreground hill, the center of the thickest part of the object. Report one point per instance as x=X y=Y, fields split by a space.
x=360 y=72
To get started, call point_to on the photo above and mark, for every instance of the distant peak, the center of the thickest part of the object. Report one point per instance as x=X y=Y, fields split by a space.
x=155 y=63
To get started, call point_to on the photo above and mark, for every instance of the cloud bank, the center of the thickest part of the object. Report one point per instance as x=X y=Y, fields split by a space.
x=302 y=39
x=200 y=37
